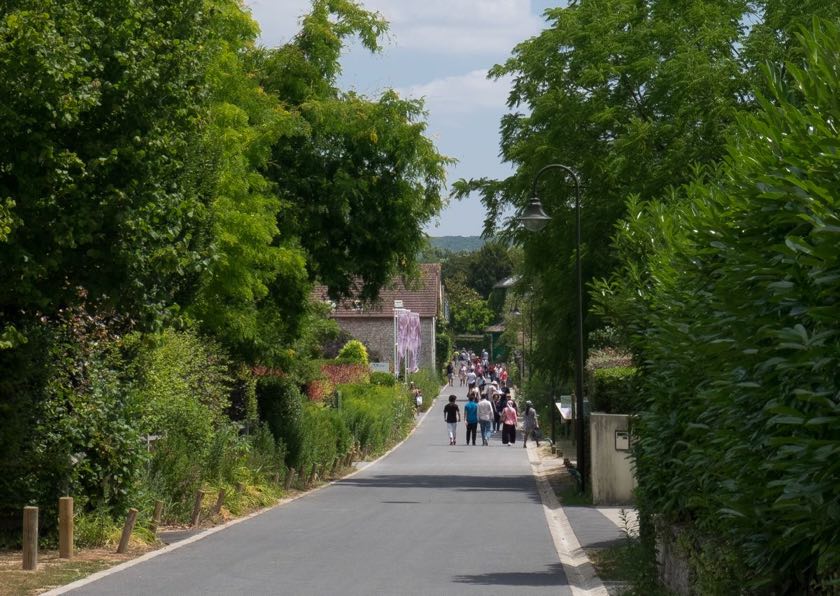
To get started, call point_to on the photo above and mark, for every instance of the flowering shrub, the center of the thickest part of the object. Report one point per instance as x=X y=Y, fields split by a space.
x=332 y=375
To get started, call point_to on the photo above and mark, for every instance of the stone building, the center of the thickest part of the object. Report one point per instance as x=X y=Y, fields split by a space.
x=374 y=325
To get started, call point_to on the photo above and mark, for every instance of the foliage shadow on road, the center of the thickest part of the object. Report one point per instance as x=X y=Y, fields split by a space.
x=522 y=485
x=552 y=576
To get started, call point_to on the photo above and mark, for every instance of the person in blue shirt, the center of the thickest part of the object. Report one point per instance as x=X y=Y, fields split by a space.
x=471 y=417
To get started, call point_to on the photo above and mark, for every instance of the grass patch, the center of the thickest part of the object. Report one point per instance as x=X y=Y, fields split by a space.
x=52 y=571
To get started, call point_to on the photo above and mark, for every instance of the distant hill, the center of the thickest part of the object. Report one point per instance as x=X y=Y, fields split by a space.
x=457 y=243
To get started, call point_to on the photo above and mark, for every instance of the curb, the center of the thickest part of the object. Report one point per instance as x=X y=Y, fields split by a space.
x=210 y=531
x=579 y=570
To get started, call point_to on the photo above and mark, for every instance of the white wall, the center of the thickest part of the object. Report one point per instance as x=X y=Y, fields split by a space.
x=611 y=470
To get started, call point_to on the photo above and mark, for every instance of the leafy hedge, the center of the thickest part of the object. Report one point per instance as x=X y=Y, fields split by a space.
x=376 y=416
x=730 y=297
x=612 y=390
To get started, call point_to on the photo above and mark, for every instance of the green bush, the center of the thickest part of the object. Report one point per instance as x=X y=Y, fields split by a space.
x=383 y=378
x=728 y=295
x=376 y=416
x=613 y=390
x=281 y=407
x=355 y=352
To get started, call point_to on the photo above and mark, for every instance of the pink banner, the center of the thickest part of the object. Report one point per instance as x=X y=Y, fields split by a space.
x=409 y=341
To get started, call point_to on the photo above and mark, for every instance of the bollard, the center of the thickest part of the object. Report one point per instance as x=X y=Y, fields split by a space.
x=290 y=477
x=156 y=516
x=128 y=528
x=30 y=538
x=220 y=500
x=196 y=512
x=65 y=528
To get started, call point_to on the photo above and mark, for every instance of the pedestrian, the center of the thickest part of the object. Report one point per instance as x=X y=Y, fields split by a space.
x=471 y=417
x=503 y=377
x=471 y=376
x=462 y=374
x=530 y=424
x=450 y=374
x=485 y=418
x=498 y=406
x=509 y=424
x=452 y=415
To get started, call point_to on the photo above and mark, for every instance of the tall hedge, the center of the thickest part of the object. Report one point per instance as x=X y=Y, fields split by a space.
x=730 y=294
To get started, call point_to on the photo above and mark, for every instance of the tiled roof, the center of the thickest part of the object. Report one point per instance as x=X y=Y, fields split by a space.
x=423 y=296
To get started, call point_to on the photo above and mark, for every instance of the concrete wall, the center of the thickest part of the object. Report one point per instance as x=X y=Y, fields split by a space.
x=611 y=471
x=378 y=334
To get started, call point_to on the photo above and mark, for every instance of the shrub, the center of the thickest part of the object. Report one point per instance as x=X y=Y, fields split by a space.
x=383 y=378
x=354 y=351
x=281 y=407
x=613 y=390
x=376 y=416
x=729 y=297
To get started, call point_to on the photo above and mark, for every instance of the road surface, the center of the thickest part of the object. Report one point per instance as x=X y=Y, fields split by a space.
x=427 y=519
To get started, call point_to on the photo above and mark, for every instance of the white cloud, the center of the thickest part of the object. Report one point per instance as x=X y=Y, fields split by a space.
x=278 y=19
x=461 y=94
x=464 y=26
x=433 y=26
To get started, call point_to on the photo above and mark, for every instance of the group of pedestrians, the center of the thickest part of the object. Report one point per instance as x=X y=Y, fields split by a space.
x=475 y=369
x=479 y=411
x=490 y=407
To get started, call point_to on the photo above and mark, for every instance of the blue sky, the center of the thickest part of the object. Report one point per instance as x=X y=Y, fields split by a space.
x=440 y=50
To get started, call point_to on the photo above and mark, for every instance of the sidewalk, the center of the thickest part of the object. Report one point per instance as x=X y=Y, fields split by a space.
x=594 y=528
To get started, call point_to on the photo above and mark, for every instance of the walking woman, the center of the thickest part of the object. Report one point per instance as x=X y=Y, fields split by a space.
x=509 y=424
x=530 y=424
x=452 y=415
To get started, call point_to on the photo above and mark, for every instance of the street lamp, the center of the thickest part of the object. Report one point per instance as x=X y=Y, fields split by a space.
x=535 y=219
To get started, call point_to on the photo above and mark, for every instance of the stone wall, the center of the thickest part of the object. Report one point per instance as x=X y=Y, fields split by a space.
x=378 y=334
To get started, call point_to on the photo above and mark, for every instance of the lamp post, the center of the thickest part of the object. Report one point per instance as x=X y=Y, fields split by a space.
x=535 y=219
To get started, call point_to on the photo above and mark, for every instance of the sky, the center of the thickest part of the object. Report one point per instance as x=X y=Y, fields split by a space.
x=440 y=50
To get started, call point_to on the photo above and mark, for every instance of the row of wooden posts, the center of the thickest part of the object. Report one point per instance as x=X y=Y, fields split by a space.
x=65 y=513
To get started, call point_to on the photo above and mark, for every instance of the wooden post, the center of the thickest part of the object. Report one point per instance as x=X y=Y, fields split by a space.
x=30 y=538
x=276 y=477
x=196 y=512
x=301 y=475
x=335 y=464
x=65 y=527
x=240 y=488
x=128 y=528
x=312 y=473
x=290 y=477
x=156 y=516
x=220 y=500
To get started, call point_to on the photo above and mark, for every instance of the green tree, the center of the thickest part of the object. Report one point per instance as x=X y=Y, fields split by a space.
x=252 y=295
x=728 y=292
x=470 y=313
x=631 y=94
x=100 y=108
x=360 y=178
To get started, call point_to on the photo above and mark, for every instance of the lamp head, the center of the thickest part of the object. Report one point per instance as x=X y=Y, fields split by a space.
x=533 y=217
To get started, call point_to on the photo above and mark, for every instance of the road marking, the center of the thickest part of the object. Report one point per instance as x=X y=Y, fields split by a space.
x=579 y=570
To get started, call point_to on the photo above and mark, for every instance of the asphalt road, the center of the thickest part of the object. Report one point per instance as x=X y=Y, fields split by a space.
x=428 y=519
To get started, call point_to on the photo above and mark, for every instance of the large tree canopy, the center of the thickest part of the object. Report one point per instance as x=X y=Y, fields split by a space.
x=99 y=106
x=361 y=178
x=634 y=96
